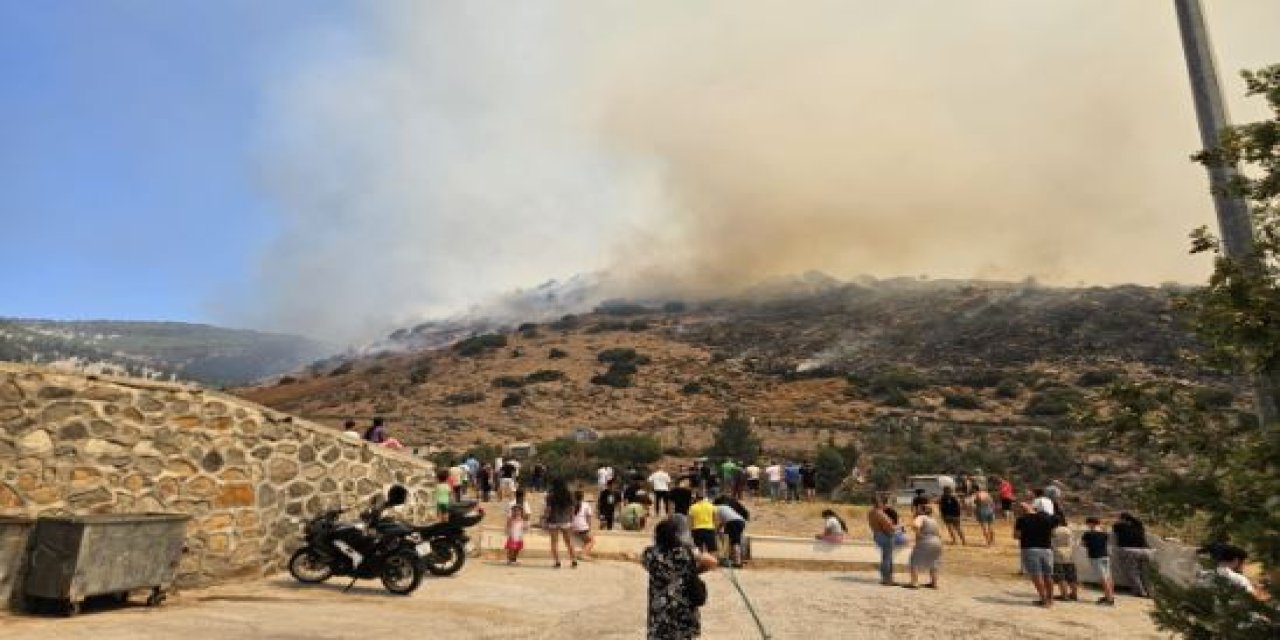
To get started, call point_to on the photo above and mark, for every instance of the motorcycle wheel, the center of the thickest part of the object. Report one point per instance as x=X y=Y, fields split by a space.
x=308 y=566
x=402 y=572
x=446 y=559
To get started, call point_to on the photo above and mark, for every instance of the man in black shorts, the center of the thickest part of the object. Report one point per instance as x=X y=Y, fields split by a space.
x=949 y=505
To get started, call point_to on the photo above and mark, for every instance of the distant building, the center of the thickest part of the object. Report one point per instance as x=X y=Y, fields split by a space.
x=584 y=434
x=521 y=450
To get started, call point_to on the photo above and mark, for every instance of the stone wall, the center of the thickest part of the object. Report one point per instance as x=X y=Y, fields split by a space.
x=71 y=444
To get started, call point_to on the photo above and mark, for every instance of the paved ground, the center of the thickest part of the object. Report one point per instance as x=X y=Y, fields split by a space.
x=597 y=600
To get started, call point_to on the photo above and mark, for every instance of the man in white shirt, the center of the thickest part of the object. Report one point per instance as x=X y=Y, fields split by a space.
x=350 y=430
x=753 y=480
x=603 y=475
x=1230 y=560
x=773 y=473
x=660 y=480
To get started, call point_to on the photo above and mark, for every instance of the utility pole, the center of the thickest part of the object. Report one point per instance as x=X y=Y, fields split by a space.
x=1235 y=223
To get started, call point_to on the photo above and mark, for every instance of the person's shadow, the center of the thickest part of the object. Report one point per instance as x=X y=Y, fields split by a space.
x=869 y=579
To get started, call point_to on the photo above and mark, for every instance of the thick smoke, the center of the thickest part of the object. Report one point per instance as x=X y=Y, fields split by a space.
x=442 y=152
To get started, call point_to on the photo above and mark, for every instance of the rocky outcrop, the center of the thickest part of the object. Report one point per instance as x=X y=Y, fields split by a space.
x=75 y=444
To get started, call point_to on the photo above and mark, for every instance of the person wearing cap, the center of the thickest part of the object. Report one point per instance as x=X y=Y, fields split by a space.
x=1034 y=532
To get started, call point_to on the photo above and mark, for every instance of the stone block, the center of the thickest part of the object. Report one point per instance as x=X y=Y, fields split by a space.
x=220 y=423
x=9 y=499
x=218 y=520
x=97 y=496
x=246 y=519
x=10 y=412
x=215 y=408
x=104 y=393
x=185 y=422
x=10 y=391
x=281 y=470
x=56 y=412
x=267 y=496
x=135 y=482
x=35 y=443
x=146 y=449
x=219 y=543
x=73 y=431
x=149 y=466
x=98 y=448
x=147 y=404
x=233 y=475
x=234 y=495
x=314 y=471
x=201 y=487
x=301 y=489
x=85 y=477
x=212 y=462
x=53 y=392
x=181 y=468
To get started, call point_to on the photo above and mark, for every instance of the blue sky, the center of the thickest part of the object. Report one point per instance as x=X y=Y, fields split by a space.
x=126 y=151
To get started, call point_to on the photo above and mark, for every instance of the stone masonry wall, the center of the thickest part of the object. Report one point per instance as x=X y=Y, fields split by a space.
x=71 y=444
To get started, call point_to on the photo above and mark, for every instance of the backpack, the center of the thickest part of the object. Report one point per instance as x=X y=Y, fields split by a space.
x=695 y=590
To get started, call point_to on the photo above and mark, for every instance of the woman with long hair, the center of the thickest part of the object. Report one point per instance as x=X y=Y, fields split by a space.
x=833 y=527
x=672 y=616
x=557 y=519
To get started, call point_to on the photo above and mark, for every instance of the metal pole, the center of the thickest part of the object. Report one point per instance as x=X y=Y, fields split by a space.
x=1234 y=221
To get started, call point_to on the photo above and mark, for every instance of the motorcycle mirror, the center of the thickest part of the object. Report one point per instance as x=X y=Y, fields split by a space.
x=396 y=495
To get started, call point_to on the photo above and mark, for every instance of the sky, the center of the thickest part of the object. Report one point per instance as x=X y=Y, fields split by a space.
x=337 y=168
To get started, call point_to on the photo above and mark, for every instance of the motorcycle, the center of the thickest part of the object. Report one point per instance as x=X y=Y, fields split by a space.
x=373 y=548
x=443 y=545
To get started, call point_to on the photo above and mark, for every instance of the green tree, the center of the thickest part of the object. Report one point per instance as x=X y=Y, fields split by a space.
x=1216 y=464
x=734 y=438
x=626 y=450
x=831 y=468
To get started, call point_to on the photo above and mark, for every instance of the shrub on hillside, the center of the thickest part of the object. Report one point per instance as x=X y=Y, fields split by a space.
x=831 y=468
x=624 y=450
x=621 y=308
x=477 y=345
x=463 y=397
x=528 y=330
x=567 y=322
x=556 y=354
x=1213 y=397
x=638 y=325
x=895 y=397
x=343 y=369
x=1098 y=377
x=613 y=378
x=512 y=400
x=545 y=375
x=607 y=326
x=960 y=401
x=901 y=379
x=418 y=374
x=693 y=387
x=286 y=380
x=617 y=354
x=1055 y=401
x=1009 y=388
x=508 y=382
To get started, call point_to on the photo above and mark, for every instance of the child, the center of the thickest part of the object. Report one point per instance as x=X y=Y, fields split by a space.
x=443 y=494
x=582 y=524
x=515 y=534
x=833 y=529
x=1095 y=543
x=1064 y=566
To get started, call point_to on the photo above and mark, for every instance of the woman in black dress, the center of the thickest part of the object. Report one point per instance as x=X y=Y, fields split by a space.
x=671 y=615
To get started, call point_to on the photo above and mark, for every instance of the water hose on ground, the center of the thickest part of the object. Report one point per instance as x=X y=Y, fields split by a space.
x=733 y=577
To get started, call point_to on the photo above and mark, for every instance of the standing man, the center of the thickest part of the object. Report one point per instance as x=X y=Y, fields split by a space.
x=882 y=530
x=753 y=480
x=727 y=471
x=1034 y=532
x=660 y=481
x=733 y=523
x=791 y=473
x=702 y=521
x=809 y=480
x=507 y=480
x=949 y=505
x=918 y=502
x=603 y=475
x=538 y=479
x=773 y=473
x=607 y=505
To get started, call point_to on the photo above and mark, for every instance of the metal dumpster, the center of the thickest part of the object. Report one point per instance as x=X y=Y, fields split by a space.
x=14 y=533
x=75 y=557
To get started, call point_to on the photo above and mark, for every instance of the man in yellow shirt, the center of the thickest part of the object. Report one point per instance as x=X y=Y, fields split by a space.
x=702 y=522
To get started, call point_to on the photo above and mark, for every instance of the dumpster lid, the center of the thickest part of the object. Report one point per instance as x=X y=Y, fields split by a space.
x=118 y=518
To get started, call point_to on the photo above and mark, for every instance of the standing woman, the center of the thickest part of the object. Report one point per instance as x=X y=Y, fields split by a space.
x=669 y=563
x=557 y=519
x=927 y=554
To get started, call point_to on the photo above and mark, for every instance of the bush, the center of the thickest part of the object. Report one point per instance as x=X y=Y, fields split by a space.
x=627 y=368
x=343 y=369
x=477 y=345
x=960 y=401
x=419 y=373
x=901 y=379
x=463 y=397
x=545 y=375
x=512 y=400
x=1056 y=401
x=286 y=380
x=556 y=354
x=1098 y=378
x=617 y=354
x=637 y=326
x=831 y=468
x=613 y=378
x=692 y=387
x=734 y=438
x=607 y=326
x=621 y=308
x=980 y=378
x=1009 y=388
x=567 y=322
x=508 y=382
x=895 y=397
x=1213 y=398
x=528 y=330
x=623 y=450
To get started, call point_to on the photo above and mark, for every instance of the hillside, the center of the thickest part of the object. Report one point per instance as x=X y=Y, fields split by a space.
x=803 y=363
x=202 y=353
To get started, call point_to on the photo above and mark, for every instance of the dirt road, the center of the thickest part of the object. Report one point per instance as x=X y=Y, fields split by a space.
x=597 y=600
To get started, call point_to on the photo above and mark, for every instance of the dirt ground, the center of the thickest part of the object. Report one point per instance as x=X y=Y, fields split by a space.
x=597 y=600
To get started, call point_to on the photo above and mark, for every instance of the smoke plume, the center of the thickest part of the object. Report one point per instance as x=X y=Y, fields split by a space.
x=438 y=153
